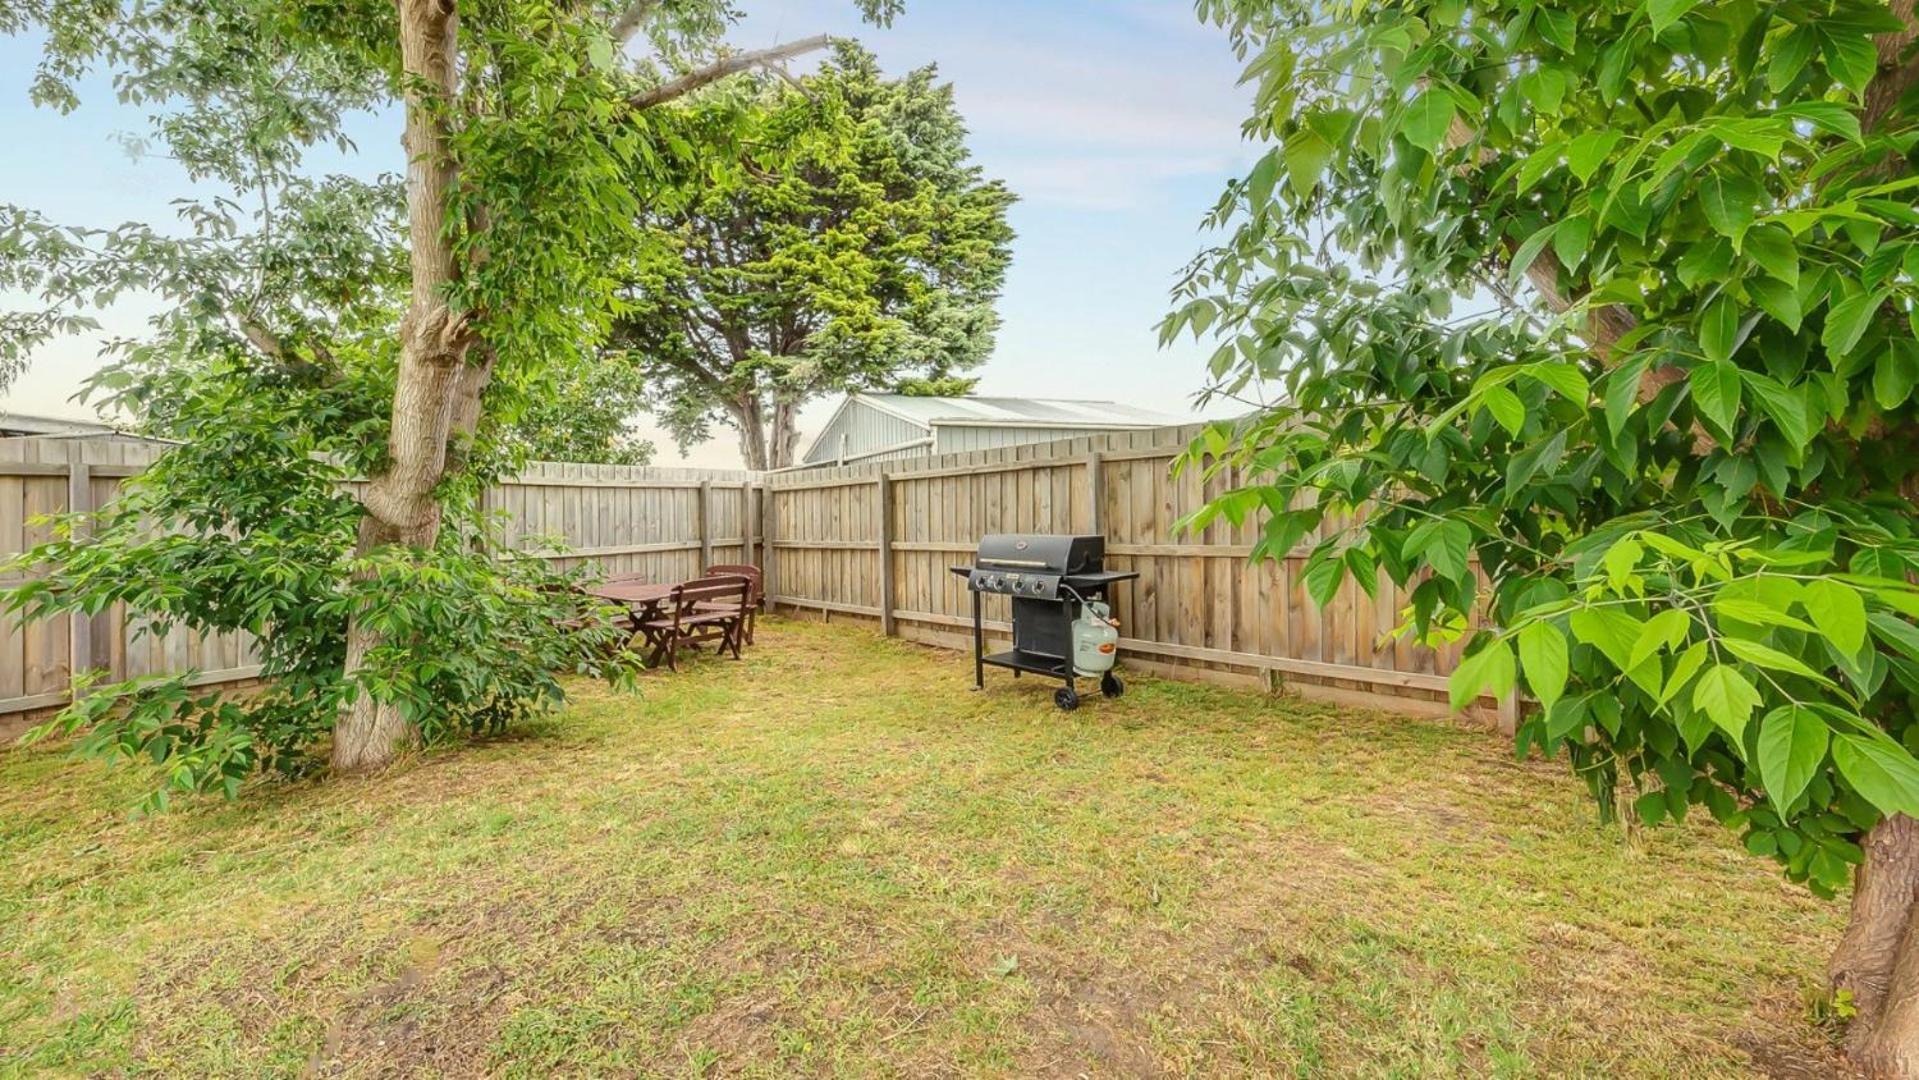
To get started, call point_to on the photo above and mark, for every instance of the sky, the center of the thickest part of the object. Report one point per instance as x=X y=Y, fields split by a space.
x=1116 y=122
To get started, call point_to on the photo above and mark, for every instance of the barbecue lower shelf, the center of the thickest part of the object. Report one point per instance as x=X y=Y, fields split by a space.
x=1021 y=660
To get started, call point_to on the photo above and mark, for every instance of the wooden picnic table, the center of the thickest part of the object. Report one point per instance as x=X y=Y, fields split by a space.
x=633 y=594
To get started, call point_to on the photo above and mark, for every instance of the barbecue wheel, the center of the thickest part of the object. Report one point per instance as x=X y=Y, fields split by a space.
x=1110 y=685
x=1066 y=698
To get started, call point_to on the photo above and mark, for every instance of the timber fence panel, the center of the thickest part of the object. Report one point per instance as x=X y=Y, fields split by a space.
x=871 y=539
x=621 y=519
x=1200 y=605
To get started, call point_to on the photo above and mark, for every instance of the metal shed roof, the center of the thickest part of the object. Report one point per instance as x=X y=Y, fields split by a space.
x=1018 y=412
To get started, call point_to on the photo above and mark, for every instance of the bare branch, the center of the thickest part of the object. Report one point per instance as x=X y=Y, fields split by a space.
x=262 y=339
x=720 y=69
x=634 y=17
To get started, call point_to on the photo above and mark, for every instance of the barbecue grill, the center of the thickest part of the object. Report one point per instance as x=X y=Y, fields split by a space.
x=1059 y=586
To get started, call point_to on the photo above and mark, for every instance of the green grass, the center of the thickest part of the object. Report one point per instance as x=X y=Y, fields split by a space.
x=834 y=859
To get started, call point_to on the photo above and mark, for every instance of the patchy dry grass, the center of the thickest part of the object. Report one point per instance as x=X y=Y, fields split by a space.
x=834 y=859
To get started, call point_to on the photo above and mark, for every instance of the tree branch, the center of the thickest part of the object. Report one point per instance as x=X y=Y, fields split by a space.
x=720 y=69
x=632 y=19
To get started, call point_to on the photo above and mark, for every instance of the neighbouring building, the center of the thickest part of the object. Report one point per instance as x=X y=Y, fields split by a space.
x=15 y=425
x=892 y=427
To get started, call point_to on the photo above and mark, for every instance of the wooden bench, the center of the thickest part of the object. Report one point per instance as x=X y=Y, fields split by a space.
x=701 y=610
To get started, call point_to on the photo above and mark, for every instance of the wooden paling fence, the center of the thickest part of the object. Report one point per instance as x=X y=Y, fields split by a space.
x=871 y=541
x=665 y=524
x=875 y=541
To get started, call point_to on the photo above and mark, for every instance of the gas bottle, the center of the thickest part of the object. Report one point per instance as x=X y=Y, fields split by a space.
x=1095 y=639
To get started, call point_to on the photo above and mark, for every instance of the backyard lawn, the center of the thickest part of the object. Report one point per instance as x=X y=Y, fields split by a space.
x=835 y=858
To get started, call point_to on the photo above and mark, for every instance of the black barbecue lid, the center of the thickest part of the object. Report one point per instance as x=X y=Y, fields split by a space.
x=1055 y=553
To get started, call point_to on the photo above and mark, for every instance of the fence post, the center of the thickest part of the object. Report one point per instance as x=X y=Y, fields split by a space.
x=749 y=548
x=887 y=604
x=79 y=501
x=768 y=530
x=1096 y=493
x=1509 y=712
x=706 y=525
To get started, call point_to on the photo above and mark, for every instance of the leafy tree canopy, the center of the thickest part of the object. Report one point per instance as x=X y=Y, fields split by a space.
x=1672 y=473
x=320 y=329
x=851 y=245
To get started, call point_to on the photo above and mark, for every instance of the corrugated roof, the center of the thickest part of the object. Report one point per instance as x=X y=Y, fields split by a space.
x=31 y=424
x=1016 y=411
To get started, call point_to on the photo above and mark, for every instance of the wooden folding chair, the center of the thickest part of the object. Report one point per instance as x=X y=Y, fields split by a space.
x=755 y=593
x=705 y=609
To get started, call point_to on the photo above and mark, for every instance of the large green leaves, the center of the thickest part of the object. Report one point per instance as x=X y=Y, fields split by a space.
x=1715 y=392
x=1489 y=670
x=1791 y=747
x=1727 y=698
x=1885 y=774
x=1543 y=655
x=1693 y=216
x=1427 y=119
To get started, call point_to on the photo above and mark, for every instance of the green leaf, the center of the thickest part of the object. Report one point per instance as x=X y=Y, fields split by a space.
x=599 y=52
x=1851 y=58
x=1771 y=246
x=1719 y=328
x=1563 y=377
x=1894 y=376
x=1622 y=392
x=1880 y=771
x=1784 y=405
x=1426 y=120
x=1622 y=558
x=1779 y=300
x=1543 y=456
x=1543 y=655
x=1895 y=632
x=1729 y=202
x=1506 y=408
x=1446 y=545
x=1766 y=656
x=1612 y=631
x=1827 y=115
x=1664 y=13
x=1838 y=611
x=1323 y=578
x=1491 y=668
x=1789 y=57
x=1847 y=320
x=1791 y=747
x=1715 y=394
x=1307 y=155
x=1570 y=238
x=1727 y=698
x=1259 y=183
x=1527 y=252
x=1755 y=613
x=1586 y=153
x=1683 y=669
x=1666 y=630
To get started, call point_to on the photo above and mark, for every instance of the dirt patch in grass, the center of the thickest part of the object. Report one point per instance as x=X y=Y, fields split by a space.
x=834 y=859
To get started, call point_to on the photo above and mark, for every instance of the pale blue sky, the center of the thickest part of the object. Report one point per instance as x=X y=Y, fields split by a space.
x=1116 y=121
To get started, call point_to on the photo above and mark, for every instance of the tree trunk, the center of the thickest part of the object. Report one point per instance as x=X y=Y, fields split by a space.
x=752 y=428
x=1877 y=960
x=400 y=505
x=784 y=442
x=1878 y=957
